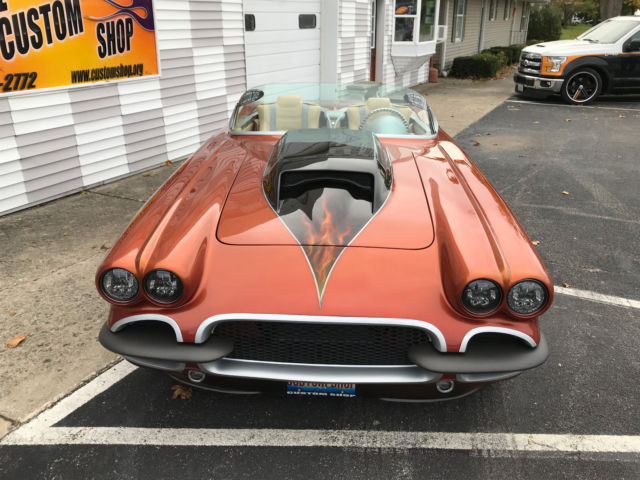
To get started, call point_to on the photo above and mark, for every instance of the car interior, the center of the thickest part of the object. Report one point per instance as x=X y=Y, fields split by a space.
x=378 y=114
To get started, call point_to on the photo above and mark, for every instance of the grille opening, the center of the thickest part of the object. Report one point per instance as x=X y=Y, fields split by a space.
x=321 y=344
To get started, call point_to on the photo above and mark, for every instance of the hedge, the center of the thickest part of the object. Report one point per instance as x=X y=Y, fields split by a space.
x=511 y=53
x=545 y=23
x=480 y=65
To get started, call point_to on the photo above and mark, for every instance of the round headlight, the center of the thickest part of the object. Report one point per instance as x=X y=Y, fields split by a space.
x=527 y=297
x=119 y=285
x=163 y=286
x=481 y=296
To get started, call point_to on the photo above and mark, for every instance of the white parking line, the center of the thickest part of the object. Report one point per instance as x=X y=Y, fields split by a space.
x=547 y=104
x=598 y=297
x=41 y=431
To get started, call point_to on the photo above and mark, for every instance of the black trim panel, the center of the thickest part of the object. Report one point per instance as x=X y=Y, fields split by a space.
x=152 y=341
x=487 y=355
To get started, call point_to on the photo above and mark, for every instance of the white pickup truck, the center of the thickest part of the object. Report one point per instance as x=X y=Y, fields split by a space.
x=604 y=59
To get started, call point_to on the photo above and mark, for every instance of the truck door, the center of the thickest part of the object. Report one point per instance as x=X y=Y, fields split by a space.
x=628 y=71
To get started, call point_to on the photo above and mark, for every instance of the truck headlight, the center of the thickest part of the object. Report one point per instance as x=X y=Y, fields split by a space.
x=556 y=63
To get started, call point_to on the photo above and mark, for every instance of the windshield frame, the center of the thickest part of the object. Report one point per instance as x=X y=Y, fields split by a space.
x=632 y=22
x=432 y=125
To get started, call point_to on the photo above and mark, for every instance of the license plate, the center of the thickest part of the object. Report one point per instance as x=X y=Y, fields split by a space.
x=322 y=389
x=519 y=87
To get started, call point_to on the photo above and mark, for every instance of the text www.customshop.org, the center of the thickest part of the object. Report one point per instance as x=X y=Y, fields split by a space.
x=106 y=73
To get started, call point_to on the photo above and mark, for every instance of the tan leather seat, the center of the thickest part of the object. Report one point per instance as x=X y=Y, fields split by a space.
x=288 y=112
x=356 y=113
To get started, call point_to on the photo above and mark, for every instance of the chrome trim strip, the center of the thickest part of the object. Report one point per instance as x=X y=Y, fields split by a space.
x=301 y=372
x=485 y=377
x=206 y=327
x=507 y=331
x=120 y=324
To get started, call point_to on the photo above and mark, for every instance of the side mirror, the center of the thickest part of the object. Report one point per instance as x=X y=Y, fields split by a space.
x=631 y=46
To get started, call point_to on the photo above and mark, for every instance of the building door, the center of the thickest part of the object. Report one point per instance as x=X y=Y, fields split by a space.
x=282 y=41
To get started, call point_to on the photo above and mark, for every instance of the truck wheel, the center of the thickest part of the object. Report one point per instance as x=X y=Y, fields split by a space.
x=582 y=87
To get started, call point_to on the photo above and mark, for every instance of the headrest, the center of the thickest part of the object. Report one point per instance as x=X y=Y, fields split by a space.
x=374 y=103
x=289 y=101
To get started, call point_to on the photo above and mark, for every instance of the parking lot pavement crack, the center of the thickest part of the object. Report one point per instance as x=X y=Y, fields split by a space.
x=121 y=197
x=575 y=212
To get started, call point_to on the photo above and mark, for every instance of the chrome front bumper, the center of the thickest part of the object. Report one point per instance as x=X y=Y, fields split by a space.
x=538 y=83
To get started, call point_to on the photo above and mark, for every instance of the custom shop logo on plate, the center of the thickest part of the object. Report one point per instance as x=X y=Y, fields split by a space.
x=322 y=389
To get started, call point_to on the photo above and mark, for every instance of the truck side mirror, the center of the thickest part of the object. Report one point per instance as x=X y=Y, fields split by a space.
x=631 y=46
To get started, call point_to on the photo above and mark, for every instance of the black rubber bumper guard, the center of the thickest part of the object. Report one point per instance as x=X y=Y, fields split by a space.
x=150 y=346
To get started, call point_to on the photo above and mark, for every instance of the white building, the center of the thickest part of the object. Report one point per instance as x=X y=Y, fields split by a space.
x=62 y=140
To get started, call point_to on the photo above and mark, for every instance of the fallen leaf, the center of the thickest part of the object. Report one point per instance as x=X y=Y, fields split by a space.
x=168 y=163
x=565 y=285
x=478 y=135
x=180 y=391
x=12 y=314
x=564 y=192
x=536 y=242
x=15 y=341
x=536 y=122
x=104 y=246
x=475 y=144
x=146 y=174
x=621 y=116
x=487 y=133
x=567 y=119
x=83 y=193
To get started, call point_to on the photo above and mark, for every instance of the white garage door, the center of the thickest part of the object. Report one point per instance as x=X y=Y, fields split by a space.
x=278 y=50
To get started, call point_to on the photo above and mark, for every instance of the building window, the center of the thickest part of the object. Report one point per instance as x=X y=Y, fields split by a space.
x=405 y=15
x=493 y=9
x=524 y=19
x=427 y=20
x=415 y=20
x=249 y=22
x=306 y=21
x=459 y=11
x=508 y=6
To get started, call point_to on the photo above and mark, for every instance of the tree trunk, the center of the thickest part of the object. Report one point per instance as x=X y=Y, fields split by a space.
x=610 y=8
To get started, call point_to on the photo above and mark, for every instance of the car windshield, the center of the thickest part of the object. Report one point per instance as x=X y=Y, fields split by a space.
x=384 y=110
x=609 y=31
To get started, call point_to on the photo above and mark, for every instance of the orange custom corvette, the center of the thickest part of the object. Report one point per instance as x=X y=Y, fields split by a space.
x=332 y=241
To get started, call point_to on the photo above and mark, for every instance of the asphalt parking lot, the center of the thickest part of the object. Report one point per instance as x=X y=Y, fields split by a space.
x=574 y=417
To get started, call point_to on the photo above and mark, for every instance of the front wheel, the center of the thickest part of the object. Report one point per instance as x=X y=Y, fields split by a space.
x=582 y=87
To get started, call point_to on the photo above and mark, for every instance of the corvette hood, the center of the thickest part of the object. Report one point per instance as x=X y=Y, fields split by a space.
x=323 y=200
x=570 y=48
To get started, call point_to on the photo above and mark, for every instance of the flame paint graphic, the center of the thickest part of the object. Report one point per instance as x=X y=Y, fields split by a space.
x=145 y=22
x=321 y=236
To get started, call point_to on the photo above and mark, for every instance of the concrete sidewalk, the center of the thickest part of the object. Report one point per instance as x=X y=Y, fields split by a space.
x=50 y=254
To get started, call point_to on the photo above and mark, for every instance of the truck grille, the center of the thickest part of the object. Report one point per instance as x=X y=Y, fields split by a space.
x=321 y=344
x=530 y=63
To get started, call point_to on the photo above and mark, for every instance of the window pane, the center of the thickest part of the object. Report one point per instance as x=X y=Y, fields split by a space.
x=460 y=7
x=406 y=7
x=459 y=27
x=427 y=19
x=404 y=30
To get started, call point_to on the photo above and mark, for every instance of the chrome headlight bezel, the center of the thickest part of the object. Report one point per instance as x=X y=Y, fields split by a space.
x=149 y=286
x=106 y=279
x=530 y=312
x=485 y=284
x=556 y=63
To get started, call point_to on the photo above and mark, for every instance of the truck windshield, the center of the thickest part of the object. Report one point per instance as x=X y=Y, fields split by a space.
x=609 y=31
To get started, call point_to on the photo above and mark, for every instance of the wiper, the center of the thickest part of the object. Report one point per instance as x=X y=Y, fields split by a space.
x=590 y=40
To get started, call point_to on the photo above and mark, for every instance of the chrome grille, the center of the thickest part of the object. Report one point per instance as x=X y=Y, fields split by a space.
x=530 y=63
x=326 y=344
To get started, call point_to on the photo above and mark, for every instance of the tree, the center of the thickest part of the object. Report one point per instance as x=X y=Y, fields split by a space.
x=545 y=23
x=610 y=8
x=629 y=7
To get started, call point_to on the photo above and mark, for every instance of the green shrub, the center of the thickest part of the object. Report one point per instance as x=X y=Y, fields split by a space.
x=480 y=65
x=533 y=42
x=545 y=23
x=511 y=53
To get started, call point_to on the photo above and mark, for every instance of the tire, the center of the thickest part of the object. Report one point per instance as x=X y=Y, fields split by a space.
x=581 y=87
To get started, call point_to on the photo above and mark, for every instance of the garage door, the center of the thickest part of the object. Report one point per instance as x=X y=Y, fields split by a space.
x=282 y=41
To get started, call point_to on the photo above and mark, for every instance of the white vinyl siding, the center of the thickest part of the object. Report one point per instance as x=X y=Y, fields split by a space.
x=56 y=142
x=354 y=47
